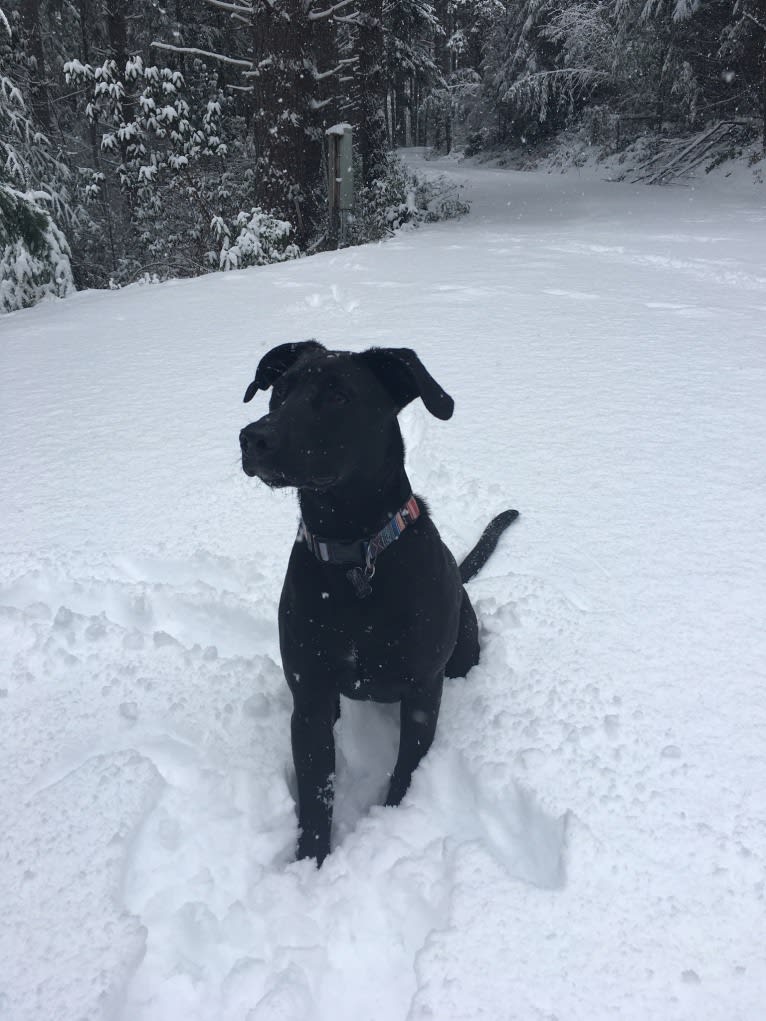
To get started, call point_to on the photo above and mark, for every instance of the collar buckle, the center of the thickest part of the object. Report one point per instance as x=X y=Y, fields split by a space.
x=361 y=553
x=334 y=551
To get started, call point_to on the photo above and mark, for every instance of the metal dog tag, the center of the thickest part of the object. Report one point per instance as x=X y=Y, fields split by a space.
x=360 y=579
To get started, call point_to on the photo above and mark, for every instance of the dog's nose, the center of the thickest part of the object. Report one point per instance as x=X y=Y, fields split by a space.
x=256 y=439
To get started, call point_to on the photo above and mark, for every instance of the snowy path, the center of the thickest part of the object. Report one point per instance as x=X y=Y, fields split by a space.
x=587 y=838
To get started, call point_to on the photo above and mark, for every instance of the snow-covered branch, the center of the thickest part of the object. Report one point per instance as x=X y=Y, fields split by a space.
x=258 y=68
x=321 y=15
x=234 y=8
x=755 y=21
x=321 y=75
x=202 y=53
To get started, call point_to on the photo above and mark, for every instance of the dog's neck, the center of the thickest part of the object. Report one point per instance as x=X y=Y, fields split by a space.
x=356 y=508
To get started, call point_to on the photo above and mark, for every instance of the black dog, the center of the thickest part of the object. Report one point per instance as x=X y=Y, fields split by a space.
x=361 y=614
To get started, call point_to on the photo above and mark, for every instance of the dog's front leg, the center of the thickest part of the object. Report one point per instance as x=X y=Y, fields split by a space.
x=314 y=759
x=419 y=713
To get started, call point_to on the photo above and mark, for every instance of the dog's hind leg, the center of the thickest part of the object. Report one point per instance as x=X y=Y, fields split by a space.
x=466 y=652
x=419 y=713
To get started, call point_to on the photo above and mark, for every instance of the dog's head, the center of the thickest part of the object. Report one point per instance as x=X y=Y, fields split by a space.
x=331 y=412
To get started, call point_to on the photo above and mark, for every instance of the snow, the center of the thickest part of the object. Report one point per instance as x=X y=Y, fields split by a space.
x=586 y=838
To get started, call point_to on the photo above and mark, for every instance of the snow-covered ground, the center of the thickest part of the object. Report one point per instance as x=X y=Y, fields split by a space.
x=587 y=837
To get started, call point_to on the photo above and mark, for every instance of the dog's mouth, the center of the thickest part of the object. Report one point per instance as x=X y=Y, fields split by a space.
x=274 y=479
x=278 y=480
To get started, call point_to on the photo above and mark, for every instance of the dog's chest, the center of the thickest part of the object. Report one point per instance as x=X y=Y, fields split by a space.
x=364 y=650
x=372 y=668
x=376 y=647
x=360 y=678
x=372 y=648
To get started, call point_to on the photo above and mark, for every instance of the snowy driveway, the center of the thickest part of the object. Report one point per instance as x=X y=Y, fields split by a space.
x=587 y=838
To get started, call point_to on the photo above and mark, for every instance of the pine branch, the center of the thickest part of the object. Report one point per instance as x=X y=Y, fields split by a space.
x=321 y=15
x=755 y=21
x=321 y=75
x=261 y=64
x=202 y=53
x=687 y=150
x=235 y=8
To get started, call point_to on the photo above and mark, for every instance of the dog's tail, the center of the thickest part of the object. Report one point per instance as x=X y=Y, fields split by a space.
x=484 y=548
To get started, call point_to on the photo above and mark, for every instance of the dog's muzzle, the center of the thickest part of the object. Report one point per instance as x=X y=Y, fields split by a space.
x=258 y=444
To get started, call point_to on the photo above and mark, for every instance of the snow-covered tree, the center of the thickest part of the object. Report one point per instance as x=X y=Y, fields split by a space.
x=547 y=61
x=34 y=254
x=182 y=125
x=152 y=151
x=743 y=55
x=278 y=57
x=411 y=28
x=256 y=239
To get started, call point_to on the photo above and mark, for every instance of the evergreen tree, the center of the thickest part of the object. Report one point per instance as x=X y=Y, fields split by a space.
x=410 y=28
x=181 y=138
x=159 y=168
x=34 y=254
x=743 y=54
x=278 y=58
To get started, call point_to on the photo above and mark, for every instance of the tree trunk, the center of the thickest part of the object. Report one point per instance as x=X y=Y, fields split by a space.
x=371 y=95
x=287 y=144
x=117 y=33
x=415 y=102
x=30 y=15
x=400 y=126
x=325 y=51
x=86 y=22
x=84 y=13
x=444 y=63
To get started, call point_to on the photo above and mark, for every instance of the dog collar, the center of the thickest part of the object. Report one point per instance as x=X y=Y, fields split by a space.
x=360 y=552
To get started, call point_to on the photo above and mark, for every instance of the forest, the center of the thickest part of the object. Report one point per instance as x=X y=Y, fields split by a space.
x=142 y=140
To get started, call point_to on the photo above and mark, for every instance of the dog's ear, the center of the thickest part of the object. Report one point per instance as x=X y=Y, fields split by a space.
x=277 y=361
x=405 y=377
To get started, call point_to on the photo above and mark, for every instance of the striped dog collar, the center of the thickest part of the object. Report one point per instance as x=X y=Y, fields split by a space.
x=361 y=553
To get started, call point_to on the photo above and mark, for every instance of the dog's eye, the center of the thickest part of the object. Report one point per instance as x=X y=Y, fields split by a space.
x=337 y=397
